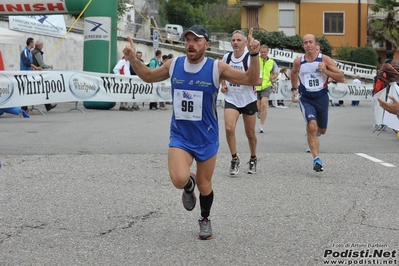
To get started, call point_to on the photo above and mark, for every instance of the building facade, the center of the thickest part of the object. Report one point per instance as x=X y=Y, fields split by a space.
x=342 y=22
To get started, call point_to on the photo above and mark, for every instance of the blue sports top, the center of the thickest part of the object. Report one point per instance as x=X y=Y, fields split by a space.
x=26 y=59
x=194 y=96
x=313 y=83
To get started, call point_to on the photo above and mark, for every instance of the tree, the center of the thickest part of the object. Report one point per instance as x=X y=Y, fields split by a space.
x=183 y=13
x=222 y=17
x=123 y=8
x=215 y=15
x=364 y=55
x=383 y=27
x=325 y=46
x=344 y=52
x=198 y=3
x=278 y=39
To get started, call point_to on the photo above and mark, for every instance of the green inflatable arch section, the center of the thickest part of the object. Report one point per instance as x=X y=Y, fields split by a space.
x=100 y=24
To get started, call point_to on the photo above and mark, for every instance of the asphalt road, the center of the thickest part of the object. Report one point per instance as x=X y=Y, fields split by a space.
x=92 y=188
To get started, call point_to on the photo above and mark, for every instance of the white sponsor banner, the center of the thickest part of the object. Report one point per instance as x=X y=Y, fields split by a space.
x=347 y=69
x=20 y=88
x=336 y=92
x=24 y=7
x=225 y=46
x=97 y=29
x=339 y=91
x=378 y=111
x=50 y=25
x=391 y=120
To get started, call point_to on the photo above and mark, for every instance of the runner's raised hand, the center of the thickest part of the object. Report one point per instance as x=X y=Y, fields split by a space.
x=130 y=50
x=253 y=45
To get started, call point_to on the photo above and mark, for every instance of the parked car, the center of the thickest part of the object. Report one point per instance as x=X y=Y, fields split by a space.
x=174 y=32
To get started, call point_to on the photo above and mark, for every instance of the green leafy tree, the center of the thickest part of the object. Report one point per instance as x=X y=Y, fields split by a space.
x=198 y=3
x=294 y=43
x=383 y=26
x=275 y=39
x=325 y=46
x=364 y=55
x=122 y=8
x=222 y=17
x=344 y=52
x=278 y=39
x=183 y=13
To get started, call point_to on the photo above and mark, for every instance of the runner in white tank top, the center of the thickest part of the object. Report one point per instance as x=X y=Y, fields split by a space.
x=239 y=99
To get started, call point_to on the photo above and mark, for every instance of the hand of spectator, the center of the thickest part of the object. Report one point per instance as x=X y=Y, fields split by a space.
x=392 y=107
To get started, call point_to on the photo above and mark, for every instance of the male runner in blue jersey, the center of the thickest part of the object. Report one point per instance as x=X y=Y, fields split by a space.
x=194 y=131
x=312 y=70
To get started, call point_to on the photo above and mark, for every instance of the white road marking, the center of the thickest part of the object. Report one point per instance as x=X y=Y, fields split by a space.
x=375 y=160
x=388 y=165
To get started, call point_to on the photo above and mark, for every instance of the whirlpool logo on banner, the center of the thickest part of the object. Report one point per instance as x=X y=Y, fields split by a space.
x=40 y=84
x=18 y=88
x=6 y=89
x=83 y=86
x=135 y=86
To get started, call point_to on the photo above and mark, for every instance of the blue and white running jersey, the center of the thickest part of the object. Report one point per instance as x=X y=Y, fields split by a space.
x=194 y=97
x=313 y=83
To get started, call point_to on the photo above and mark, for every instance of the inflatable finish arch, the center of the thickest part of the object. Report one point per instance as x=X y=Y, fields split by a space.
x=100 y=23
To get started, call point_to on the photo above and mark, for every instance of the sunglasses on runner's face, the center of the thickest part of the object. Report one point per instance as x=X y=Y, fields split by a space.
x=238 y=31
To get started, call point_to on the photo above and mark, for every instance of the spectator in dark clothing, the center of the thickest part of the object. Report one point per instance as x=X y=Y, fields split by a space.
x=38 y=61
x=26 y=60
x=154 y=63
x=391 y=70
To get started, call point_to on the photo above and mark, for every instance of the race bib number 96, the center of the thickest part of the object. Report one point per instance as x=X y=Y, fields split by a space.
x=187 y=105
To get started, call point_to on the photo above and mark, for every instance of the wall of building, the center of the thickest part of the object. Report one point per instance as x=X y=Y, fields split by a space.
x=268 y=16
x=67 y=54
x=311 y=21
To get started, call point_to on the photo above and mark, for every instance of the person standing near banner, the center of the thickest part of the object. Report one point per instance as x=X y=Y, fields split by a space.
x=154 y=63
x=139 y=56
x=390 y=68
x=194 y=129
x=312 y=71
x=389 y=72
x=26 y=57
x=122 y=67
x=282 y=76
x=38 y=61
x=356 y=81
x=26 y=60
